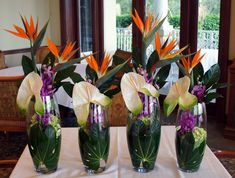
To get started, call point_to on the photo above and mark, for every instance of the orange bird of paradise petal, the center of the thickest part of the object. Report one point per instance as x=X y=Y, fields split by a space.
x=105 y=64
x=92 y=63
x=30 y=32
x=188 y=65
x=67 y=53
x=139 y=23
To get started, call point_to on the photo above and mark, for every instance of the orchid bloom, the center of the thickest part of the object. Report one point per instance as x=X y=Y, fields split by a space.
x=165 y=51
x=67 y=53
x=147 y=27
x=189 y=65
x=30 y=32
x=94 y=65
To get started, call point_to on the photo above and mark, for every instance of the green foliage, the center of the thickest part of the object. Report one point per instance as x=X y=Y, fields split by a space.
x=123 y=21
x=174 y=21
x=94 y=145
x=44 y=146
x=27 y=65
x=211 y=22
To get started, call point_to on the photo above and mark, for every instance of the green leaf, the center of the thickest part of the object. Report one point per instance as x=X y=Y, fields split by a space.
x=91 y=74
x=27 y=65
x=49 y=59
x=162 y=74
x=39 y=39
x=136 y=57
x=198 y=73
x=70 y=63
x=44 y=145
x=212 y=76
x=68 y=88
x=151 y=64
x=63 y=74
x=76 y=77
x=165 y=62
x=210 y=96
x=110 y=74
x=94 y=145
x=219 y=85
x=150 y=36
x=118 y=60
x=182 y=69
x=111 y=93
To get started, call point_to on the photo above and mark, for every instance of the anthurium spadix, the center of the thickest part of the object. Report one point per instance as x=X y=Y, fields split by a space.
x=85 y=93
x=131 y=84
x=30 y=86
x=179 y=94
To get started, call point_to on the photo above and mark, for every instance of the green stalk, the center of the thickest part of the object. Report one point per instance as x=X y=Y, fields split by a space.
x=143 y=54
x=32 y=56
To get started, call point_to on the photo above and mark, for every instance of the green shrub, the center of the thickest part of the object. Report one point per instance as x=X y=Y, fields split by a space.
x=123 y=21
x=210 y=23
x=175 y=21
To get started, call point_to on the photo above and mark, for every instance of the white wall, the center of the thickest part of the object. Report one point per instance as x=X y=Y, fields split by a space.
x=110 y=38
x=10 y=11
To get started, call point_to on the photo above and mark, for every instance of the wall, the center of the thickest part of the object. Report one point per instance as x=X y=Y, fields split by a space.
x=232 y=32
x=110 y=38
x=10 y=14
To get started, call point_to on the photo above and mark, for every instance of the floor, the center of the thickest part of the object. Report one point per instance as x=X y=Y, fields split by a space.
x=12 y=146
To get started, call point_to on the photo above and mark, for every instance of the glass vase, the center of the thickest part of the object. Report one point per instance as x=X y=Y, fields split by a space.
x=191 y=136
x=94 y=140
x=44 y=136
x=143 y=135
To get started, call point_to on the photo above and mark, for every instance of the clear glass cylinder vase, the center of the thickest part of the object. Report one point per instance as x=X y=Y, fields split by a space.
x=143 y=135
x=44 y=135
x=94 y=140
x=191 y=134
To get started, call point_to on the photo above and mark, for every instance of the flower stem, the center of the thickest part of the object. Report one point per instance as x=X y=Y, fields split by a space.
x=32 y=56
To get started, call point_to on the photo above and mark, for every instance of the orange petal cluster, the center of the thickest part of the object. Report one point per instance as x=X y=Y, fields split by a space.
x=67 y=53
x=189 y=65
x=94 y=65
x=30 y=30
x=165 y=51
x=146 y=27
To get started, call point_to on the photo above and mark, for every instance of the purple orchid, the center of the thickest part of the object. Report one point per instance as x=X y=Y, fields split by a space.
x=47 y=79
x=199 y=91
x=187 y=122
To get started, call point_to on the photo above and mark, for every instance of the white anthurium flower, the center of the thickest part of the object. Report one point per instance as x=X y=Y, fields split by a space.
x=30 y=86
x=179 y=94
x=131 y=84
x=85 y=93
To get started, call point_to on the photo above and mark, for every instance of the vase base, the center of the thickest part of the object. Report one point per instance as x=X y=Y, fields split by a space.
x=92 y=172
x=189 y=170
x=142 y=169
x=44 y=170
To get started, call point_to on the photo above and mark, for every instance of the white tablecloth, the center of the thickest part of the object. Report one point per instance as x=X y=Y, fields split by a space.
x=119 y=163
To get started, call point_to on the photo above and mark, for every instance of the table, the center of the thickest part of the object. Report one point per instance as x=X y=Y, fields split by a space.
x=119 y=163
x=61 y=96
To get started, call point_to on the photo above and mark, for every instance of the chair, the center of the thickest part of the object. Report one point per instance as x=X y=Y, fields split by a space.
x=11 y=120
x=2 y=60
x=118 y=112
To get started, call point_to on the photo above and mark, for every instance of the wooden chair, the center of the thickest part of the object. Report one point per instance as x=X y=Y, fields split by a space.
x=118 y=112
x=11 y=120
x=2 y=60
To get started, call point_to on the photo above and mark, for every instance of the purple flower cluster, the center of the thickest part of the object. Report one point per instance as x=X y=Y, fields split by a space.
x=199 y=91
x=187 y=122
x=144 y=73
x=47 y=79
x=45 y=119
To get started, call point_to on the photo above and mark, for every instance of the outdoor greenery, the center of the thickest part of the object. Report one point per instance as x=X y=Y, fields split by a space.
x=123 y=21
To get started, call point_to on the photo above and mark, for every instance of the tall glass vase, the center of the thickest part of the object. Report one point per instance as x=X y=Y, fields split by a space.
x=191 y=136
x=143 y=135
x=94 y=140
x=44 y=136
